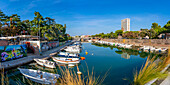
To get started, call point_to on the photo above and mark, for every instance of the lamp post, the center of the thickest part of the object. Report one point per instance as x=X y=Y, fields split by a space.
x=39 y=38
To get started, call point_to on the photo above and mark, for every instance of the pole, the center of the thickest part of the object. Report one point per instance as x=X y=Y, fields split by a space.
x=40 y=38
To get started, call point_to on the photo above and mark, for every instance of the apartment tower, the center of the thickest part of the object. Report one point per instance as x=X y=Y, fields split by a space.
x=125 y=24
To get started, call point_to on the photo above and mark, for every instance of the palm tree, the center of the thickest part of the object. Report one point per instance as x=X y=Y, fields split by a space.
x=1 y=21
x=37 y=23
x=3 y=24
x=28 y=25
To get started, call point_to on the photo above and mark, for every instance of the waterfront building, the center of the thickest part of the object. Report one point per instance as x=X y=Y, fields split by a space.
x=164 y=36
x=125 y=24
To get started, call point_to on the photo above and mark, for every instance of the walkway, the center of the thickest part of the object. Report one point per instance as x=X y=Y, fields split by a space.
x=166 y=81
x=30 y=58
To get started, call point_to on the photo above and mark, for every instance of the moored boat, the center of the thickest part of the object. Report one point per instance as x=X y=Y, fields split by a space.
x=66 y=54
x=66 y=60
x=73 y=50
x=40 y=76
x=45 y=63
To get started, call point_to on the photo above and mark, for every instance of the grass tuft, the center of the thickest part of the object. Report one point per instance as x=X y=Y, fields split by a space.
x=149 y=71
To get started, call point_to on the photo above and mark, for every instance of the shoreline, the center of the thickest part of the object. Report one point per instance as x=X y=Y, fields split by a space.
x=137 y=42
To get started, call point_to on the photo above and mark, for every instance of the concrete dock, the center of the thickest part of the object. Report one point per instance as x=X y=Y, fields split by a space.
x=30 y=58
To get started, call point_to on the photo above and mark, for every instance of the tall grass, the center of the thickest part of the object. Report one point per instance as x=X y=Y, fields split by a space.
x=149 y=71
x=70 y=77
x=4 y=78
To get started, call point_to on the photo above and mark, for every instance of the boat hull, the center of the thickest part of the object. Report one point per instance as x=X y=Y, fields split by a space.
x=43 y=64
x=66 y=62
x=48 y=78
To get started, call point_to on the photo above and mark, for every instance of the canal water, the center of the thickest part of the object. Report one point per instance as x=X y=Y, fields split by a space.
x=119 y=64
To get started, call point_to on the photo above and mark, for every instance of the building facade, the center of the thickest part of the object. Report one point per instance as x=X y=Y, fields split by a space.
x=125 y=24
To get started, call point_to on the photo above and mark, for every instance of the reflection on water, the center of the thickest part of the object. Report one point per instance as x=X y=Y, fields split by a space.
x=126 y=53
x=125 y=56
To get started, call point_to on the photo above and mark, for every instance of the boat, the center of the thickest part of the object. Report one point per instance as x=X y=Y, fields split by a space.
x=71 y=65
x=152 y=49
x=66 y=54
x=77 y=43
x=128 y=46
x=161 y=50
x=36 y=66
x=45 y=63
x=164 y=49
x=72 y=49
x=40 y=76
x=146 y=48
x=66 y=60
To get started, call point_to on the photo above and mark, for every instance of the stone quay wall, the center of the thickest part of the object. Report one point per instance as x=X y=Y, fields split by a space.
x=3 y=42
x=143 y=42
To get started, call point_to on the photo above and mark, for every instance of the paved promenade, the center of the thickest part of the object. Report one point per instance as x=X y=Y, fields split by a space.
x=29 y=58
x=166 y=81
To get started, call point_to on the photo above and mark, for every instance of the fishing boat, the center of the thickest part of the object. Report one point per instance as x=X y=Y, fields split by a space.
x=66 y=60
x=75 y=47
x=36 y=66
x=72 y=49
x=45 y=63
x=164 y=49
x=146 y=48
x=77 y=43
x=65 y=54
x=152 y=49
x=128 y=46
x=40 y=76
x=161 y=50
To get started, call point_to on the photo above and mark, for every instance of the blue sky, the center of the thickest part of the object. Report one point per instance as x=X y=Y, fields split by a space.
x=92 y=16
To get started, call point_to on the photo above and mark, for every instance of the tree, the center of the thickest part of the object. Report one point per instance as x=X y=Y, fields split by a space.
x=155 y=26
x=152 y=34
x=130 y=34
x=119 y=32
x=2 y=16
x=167 y=26
x=142 y=34
x=113 y=35
x=157 y=30
x=44 y=27
x=27 y=25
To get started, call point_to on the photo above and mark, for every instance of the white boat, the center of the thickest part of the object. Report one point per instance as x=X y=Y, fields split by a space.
x=146 y=48
x=152 y=49
x=66 y=60
x=65 y=54
x=77 y=43
x=164 y=49
x=72 y=49
x=161 y=50
x=112 y=44
x=128 y=46
x=40 y=76
x=71 y=65
x=45 y=63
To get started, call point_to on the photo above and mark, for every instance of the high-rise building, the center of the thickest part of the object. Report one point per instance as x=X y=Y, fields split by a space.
x=125 y=24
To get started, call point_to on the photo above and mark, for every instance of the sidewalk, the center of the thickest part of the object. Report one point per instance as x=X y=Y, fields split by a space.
x=30 y=58
x=166 y=81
